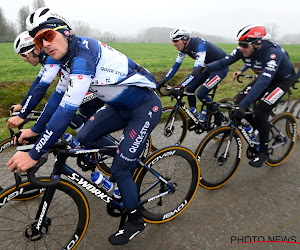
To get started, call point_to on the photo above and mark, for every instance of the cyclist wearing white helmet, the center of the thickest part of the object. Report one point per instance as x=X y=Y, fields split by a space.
x=275 y=76
x=202 y=52
x=131 y=104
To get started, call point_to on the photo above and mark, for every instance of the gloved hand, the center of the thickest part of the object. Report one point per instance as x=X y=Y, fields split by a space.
x=238 y=114
x=202 y=69
x=161 y=83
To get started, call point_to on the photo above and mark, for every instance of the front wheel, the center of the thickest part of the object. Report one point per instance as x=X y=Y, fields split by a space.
x=179 y=167
x=171 y=130
x=218 y=157
x=283 y=136
x=295 y=110
x=61 y=227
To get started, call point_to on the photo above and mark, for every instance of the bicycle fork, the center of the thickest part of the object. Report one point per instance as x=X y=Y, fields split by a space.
x=222 y=159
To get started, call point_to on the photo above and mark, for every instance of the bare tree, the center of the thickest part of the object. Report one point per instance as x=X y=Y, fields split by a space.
x=38 y=4
x=7 y=30
x=81 y=28
x=272 y=29
x=22 y=15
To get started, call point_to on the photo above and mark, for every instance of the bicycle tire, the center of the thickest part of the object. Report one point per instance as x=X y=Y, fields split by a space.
x=6 y=143
x=175 y=163
x=283 y=104
x=163 y=136
x=214 y=173
x=68 y=212
x=295 y=110
x=279 y=152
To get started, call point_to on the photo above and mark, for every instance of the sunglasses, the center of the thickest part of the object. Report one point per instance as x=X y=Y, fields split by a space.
x=25 y=54
x=245 y=45
x=47 y=35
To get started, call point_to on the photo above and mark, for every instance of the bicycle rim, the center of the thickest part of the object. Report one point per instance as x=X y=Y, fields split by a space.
x=164 y=134
x=62 y=227
x=179 y=166
x=216 y=170
x=283 y=142
x=295 y=110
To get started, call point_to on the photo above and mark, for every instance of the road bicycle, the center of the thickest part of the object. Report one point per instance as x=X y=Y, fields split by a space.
x=58 y=216
x=220 y=152
x=173 y=126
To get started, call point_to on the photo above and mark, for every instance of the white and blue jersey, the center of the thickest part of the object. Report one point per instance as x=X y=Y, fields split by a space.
x=201 y=51
x=39 y=87
x=95 y=67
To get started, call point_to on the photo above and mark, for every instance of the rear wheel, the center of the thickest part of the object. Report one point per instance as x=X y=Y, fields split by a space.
x=177 y=165
x=171 y=130
x=283 y=133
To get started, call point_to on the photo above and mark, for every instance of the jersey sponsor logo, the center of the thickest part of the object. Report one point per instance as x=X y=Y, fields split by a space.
x=26 y=104
x=155 y=109
x=92 y=118
x=51 y=65
x=80 y=77
x=213 y=82
x=274 y=96
x=140 y=138
x=67 y=33
x=43 y=140
x=267 y=74
x=273 y=56
x=132 y=134
x=271 y=65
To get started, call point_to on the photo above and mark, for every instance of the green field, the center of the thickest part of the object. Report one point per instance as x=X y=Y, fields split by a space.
x=16 y=75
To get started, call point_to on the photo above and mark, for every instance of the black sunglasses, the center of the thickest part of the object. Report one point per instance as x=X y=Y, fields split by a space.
x=245 y=45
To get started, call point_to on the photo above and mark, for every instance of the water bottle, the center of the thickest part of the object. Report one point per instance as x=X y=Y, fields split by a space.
x=102 y=181
x=71 y=140
x=117 y=194
x=249 y=130
x=203 y=115
x=195 y=112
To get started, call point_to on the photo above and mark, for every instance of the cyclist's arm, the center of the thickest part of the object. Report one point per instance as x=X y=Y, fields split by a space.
x=38 y=93
x=33 y=85
x=175 y=67
x=62 y=117
x=264 y=79
x=51 y=105
x=235 y=55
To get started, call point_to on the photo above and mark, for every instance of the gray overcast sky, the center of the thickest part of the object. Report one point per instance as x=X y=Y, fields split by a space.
x=212 y=17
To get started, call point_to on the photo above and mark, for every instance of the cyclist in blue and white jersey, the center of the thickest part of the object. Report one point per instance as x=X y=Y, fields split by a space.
x=50 y=68
x=276 y=75
x=131 y=104
x=203 y=52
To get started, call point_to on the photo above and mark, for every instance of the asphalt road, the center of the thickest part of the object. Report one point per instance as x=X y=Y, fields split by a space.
x=256 y=204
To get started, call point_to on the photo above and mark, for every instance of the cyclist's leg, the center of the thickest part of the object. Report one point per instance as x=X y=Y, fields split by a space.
x=192 y=86
x=141 y=121
x=262 y=111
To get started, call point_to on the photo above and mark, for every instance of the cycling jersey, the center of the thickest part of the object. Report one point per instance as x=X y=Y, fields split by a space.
x=94 y=66
x=200 y=50
x=271 y=62
x=39 y=87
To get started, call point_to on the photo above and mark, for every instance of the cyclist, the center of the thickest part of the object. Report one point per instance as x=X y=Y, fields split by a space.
x=276 y=75
x=128 y=90
x=34 y=55
x=203 y=52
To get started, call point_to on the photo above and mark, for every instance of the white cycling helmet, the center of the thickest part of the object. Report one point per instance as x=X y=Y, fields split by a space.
x=180 y=33
x=34 y=20
x=23 y=42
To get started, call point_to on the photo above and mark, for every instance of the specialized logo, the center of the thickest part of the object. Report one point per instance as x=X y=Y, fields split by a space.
x=7 y=144
x=43 y=140
x=140 y=138
x=274 y=96
x=175 y=211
